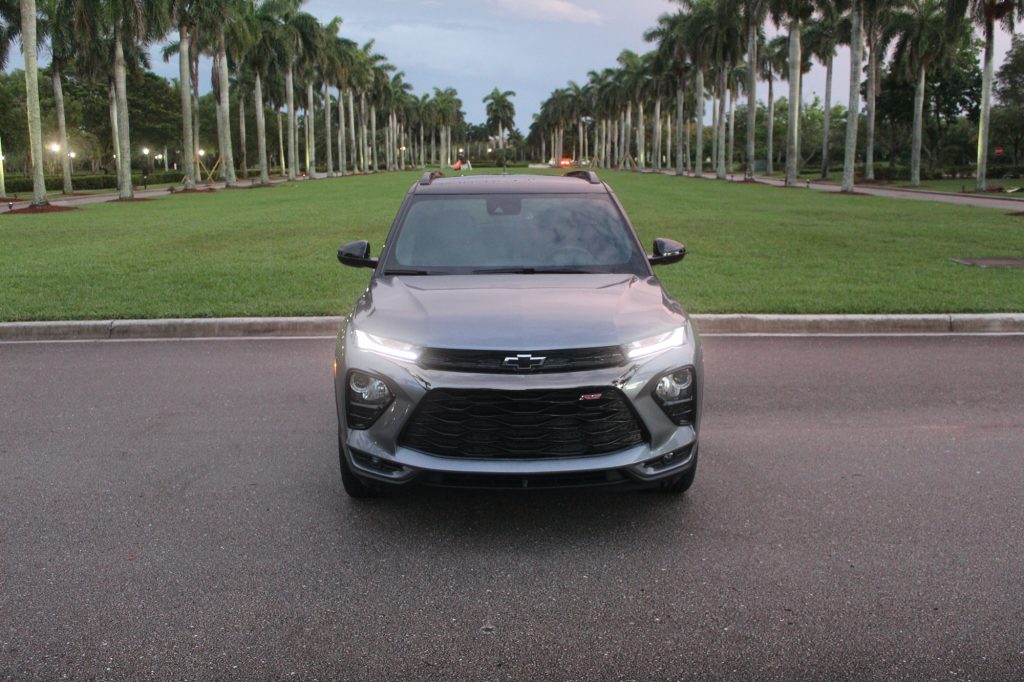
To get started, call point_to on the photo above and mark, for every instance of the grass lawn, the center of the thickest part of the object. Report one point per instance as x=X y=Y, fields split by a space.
x=272 y=251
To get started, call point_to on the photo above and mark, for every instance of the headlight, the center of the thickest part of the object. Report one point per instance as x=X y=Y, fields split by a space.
x=366 y=398
x=387 y=347
x=656 y=344
x=674 y=393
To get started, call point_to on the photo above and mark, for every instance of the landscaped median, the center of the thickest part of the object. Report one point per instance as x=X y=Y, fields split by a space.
x=270 y=253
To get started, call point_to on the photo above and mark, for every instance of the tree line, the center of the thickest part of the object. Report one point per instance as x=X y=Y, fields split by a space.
x=712 y=52
x=268 y=57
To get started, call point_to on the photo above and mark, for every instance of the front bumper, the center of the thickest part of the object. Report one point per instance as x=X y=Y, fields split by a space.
x=376 y=453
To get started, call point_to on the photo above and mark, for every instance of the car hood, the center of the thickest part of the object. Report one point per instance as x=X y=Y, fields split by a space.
x=516 y=312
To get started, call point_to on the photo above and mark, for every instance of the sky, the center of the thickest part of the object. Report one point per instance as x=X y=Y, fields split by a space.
x=528 y=46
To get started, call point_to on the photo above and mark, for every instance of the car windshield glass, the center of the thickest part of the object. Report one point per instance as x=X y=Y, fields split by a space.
x=515 y=233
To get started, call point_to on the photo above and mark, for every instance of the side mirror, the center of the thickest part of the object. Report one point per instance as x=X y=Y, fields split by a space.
x=356 y=255
x=667 y=251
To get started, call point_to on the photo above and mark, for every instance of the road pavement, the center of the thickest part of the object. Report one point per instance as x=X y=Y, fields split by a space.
x=172 y=510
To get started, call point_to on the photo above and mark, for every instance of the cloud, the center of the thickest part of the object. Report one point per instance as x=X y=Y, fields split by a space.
x=549 y=10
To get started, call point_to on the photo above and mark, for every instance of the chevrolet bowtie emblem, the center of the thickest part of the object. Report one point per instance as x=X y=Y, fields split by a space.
x=523 y=361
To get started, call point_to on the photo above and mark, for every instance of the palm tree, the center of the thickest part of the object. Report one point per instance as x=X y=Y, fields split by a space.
x=8 y=29
x=263 y=56
x=876 y=17
x=792 y=13
x=501 y=112
x=698 y=31
x=924 y=37
x=853 y=112
x=824 y=33
x=670 y=34
x=754 y=12
x=986 y=14
x=182 y=14
x=296 y=36
x=35 y=126
x=56 y=26
x=130 y=23
x=775 y=57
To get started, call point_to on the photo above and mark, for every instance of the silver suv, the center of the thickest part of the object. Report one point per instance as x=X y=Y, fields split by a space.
x=513 y=335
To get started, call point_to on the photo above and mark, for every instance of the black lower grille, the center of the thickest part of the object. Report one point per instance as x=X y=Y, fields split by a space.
x=534 y=362
x=531 y=424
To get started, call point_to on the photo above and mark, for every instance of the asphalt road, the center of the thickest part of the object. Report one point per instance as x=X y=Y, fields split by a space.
x=172 y=509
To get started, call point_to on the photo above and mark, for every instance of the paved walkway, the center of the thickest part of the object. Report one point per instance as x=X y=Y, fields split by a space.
x=139 y=194
x=993 y=201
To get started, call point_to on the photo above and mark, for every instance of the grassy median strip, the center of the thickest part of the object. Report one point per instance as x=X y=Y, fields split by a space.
x=272 y=251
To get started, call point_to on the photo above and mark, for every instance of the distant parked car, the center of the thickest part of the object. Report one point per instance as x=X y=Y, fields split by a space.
x=513 y=335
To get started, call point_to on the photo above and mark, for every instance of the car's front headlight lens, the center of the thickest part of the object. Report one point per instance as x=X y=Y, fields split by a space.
x=675 y=386
x=656 y=344
x=674 y=393
x=366 y=398
x=390 y=348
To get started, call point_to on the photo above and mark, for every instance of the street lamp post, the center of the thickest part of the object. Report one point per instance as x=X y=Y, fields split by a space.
x=72 y=155
x=145 y=170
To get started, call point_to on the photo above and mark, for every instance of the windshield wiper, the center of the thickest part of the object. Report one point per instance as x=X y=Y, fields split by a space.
x=532 y=271
x=400 y=271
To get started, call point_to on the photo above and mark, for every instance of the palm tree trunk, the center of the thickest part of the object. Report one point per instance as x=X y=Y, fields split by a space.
x=62 y=131
x=793 y=126
x=280 y=143
x=641 y=142
x=853 y=114
x=751 y=98
x=115 y=141
x=915 y=147
x=241 y=135
x=124 y=139
x=422 y=149
x=188 y=156
x=35 y=125
x=656 y=141
x=311 y=130
x=261 y=129
x=770 y=132
x=352 y=131
x=289 y=87
x=720 y=124
x=731 y=160
x=869 y=132
x=827 y=122
x=373 y=137
x=668 y=141
x=3 y=181
x=364 y=155
x=225 y=142
x=981 y=184
x=686 y=157
x=327 y=132
x=342 y=150
x=699 y=96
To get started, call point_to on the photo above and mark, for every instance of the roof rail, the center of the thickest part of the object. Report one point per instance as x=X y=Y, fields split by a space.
x=430 y=176
x=588 y=175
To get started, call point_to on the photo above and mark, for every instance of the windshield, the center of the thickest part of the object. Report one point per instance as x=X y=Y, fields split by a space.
x=464 y=234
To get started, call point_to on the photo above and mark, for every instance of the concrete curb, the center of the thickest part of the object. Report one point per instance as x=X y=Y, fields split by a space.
x=1000 y=323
